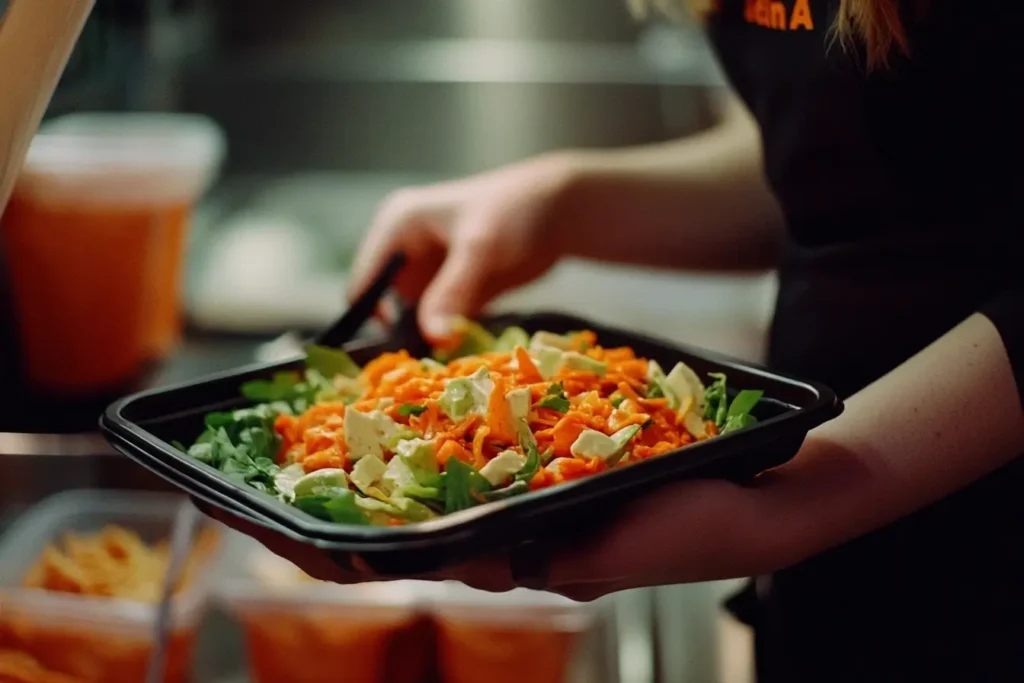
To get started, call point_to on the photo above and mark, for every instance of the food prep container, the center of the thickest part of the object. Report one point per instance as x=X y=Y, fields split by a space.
x=521 y=635
x=144 y=426
x=94 y=238
x=307 y=631
x=97 y=639
x=302 y=630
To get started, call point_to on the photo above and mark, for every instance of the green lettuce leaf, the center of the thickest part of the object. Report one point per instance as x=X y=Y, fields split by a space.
x=464 y=486
x=332 y=504
x=331 y=362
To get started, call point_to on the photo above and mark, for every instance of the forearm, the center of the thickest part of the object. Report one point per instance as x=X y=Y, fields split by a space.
x=942 y=420
x=36 y=40
x=698 y=203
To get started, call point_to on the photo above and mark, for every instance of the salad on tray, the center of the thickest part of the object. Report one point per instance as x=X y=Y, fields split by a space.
x=406 y=439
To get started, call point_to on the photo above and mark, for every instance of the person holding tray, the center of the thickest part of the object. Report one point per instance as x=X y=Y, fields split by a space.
x=872 y=154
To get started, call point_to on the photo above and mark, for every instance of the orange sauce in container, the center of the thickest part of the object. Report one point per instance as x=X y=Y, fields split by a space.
x=165 y=323
x=325 y=647
x=94 y=240
x=508 y=637
x=301 y=630
x=469 y=652
x=96 y=656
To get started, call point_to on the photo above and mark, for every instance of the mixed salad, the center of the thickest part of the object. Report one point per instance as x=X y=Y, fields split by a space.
x=406 y=439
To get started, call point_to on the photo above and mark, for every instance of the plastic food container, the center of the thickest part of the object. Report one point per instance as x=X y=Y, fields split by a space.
x=96 y=639
x=144 y=426
x=94 y=238
x=509 y=637
x=306 y=631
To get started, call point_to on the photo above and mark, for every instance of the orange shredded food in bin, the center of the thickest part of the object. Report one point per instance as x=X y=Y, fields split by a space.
x=488 y=418
x=20 y=667
x=114 y=563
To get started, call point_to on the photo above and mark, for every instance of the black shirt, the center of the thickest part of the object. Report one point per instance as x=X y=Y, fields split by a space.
x=902 y=192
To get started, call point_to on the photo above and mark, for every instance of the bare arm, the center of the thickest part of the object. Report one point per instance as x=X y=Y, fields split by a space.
x=698 y=203
x=942 y=420
x=945 y=418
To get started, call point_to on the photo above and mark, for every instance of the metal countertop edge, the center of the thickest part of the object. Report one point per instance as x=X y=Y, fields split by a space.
x=82 y=444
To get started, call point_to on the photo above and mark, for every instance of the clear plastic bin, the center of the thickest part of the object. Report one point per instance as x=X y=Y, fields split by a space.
x=97 y=639
x=306 y=631
x=94 y=238
x=520 y=635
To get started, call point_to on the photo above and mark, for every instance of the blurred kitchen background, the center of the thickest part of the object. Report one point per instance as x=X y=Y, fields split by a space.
x=326 y=107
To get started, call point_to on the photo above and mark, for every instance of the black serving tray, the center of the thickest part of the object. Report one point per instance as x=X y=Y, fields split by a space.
x=143 y=426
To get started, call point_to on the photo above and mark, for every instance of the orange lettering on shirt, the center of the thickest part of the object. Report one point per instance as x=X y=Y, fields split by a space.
x=772 y=14
x=801 y=17
x=750 y=11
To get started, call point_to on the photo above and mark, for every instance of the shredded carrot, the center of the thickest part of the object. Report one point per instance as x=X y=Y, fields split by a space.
x=621 y=355
x=461 y=430
x=654 y=403
x=408 y=392
x=566 y=432
x=499 y=414
x=478 y=446
x=365 y=405
x=630 y=419
x=382 y=364
x=453 y=449
x=319 y=439
x=626 y=390
x=327 y=458
x=547 y=416
x=542 y=479
x=287 y=427
x=528 y=371
x=581 y=341
x=427 y=423
x=575 y=468
x=633 y=368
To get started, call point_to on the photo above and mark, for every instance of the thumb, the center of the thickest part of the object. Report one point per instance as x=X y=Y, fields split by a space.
x=458 y=289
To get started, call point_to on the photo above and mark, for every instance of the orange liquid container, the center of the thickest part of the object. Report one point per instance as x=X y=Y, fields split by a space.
x=94 y=239
x=509 y=637
x=95 y=301
x=304 y=631
x=470 y=653
x=323 y=647
x=96 y=656
x=164 y=323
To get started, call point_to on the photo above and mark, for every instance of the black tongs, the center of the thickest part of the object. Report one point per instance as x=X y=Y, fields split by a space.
x=363 y=308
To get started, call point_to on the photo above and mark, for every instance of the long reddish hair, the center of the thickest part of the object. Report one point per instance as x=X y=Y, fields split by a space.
x=876 y=25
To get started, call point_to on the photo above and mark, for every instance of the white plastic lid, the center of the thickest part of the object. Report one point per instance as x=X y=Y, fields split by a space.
x=269 y=582
x=135 y=159
x=519 y=607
